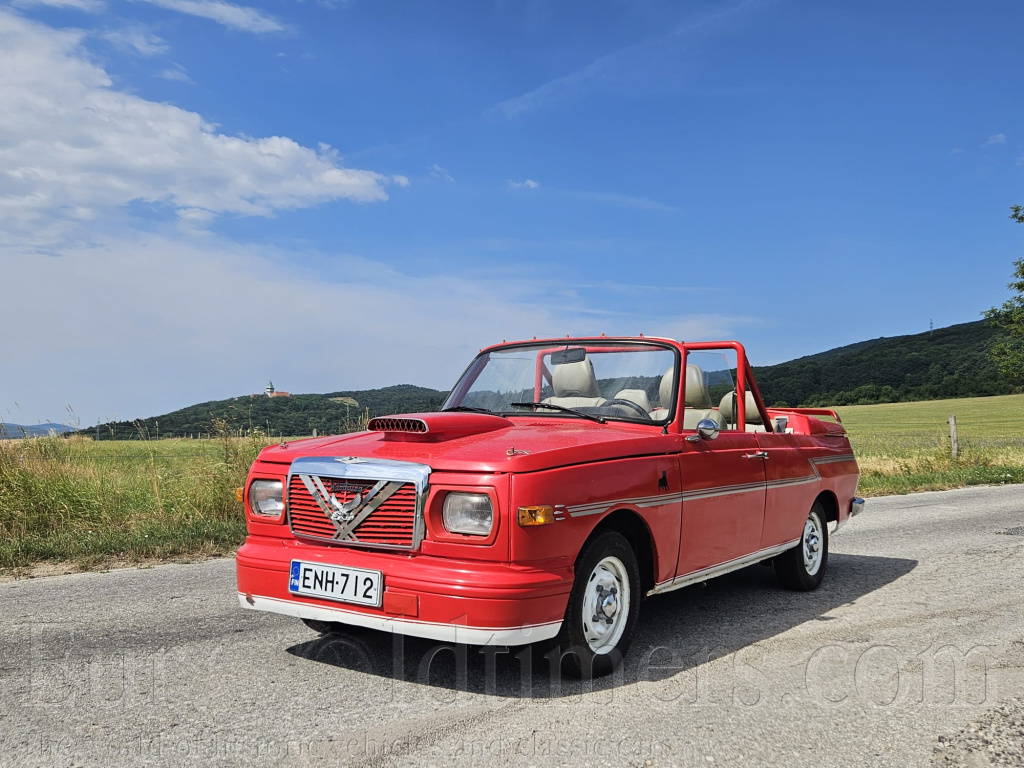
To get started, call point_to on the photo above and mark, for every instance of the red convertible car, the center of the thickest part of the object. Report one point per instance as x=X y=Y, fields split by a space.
x=562 y=482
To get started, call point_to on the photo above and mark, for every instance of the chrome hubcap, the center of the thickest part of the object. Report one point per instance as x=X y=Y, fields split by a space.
x=812 y=544
x=606 y=605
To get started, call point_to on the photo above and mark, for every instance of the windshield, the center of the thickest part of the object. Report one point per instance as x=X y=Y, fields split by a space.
x=622 y=381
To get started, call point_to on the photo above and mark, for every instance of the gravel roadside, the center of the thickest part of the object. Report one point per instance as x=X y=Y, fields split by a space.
x=995 y=739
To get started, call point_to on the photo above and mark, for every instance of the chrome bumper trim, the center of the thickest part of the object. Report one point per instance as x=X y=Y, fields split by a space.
x=450 y=633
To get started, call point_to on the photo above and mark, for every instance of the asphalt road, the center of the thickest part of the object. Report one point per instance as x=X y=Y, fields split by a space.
x=917 y=631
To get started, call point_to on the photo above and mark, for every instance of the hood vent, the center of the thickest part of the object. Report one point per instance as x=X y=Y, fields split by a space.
x=392 y=424
x=434 y=427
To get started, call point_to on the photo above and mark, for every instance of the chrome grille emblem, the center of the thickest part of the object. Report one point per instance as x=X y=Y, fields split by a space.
x=344 y=512
x=346 y=516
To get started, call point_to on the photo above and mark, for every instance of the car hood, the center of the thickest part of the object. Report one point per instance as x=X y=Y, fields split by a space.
x=469 y=442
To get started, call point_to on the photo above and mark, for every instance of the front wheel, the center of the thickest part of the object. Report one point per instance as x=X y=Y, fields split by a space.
x=603 y=607
x=803 y=567
x=322 y=627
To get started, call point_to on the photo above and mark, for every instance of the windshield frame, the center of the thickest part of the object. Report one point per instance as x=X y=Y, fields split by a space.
x=546 y=346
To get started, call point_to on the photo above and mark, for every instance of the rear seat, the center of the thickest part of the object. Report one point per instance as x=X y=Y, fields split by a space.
x=753 y=419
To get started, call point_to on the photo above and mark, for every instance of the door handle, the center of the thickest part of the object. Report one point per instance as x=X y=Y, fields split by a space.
x=757 y=455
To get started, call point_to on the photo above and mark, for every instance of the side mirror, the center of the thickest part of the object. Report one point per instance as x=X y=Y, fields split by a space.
x=707 y=429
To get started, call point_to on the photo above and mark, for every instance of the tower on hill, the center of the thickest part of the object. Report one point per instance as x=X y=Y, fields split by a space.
x=270 y=391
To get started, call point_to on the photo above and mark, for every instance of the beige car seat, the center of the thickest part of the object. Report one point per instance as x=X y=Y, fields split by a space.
x=664 y=396
x=751 y=415
x=698 y=400
x=575 y=385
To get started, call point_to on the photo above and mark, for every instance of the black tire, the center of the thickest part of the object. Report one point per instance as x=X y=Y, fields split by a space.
x=322 y=627
x=798 y=568
x=589 y=648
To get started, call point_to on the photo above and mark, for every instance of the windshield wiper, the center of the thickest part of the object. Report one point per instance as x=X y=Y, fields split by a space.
x=562 y=408
x=469 y=408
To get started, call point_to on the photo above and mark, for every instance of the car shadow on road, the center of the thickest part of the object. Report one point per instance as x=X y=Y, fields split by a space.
x=676 y=632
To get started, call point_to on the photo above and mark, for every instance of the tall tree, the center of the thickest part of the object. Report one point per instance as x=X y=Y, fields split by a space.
x=1009 y=353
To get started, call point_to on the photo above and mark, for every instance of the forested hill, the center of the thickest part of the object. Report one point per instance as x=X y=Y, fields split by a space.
x=328 y=414
x=948 y=362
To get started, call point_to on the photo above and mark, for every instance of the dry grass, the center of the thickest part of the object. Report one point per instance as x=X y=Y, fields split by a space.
x=73 y=499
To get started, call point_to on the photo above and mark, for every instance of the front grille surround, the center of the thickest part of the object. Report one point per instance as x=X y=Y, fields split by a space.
x=397 y=523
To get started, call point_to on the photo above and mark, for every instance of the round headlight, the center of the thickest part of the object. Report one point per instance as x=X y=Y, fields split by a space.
x=266 y=498
x=468 y=513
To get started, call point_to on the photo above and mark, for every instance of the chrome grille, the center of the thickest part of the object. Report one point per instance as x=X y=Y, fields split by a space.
x=357 y=502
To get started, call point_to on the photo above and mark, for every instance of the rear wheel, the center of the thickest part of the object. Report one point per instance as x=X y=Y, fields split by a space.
x=603 y=607
x=803 y=567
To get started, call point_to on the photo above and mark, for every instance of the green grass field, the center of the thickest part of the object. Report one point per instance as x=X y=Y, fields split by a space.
x=96 y=503
x=904 y=447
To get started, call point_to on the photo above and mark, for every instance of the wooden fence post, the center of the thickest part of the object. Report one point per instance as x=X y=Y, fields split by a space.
x=952 y=436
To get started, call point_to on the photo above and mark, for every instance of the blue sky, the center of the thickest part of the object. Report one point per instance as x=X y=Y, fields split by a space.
x=197 y=196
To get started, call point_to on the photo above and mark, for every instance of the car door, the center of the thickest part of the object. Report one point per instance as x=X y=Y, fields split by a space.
x=724 y=491
x=723 y=477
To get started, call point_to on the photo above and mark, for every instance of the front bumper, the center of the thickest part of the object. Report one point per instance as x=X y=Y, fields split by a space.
x=478 y=603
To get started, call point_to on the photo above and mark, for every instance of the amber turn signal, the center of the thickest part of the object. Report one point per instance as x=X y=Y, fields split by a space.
x=239 y=495
x=540 y=515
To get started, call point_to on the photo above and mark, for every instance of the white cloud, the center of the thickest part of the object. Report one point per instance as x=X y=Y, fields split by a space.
x=999 y=138
x=89 y=6
x=527 y=184
x=439 y=172
x=69 y=141
x=232 y=16
x=150 y=323
x=135 y=39
x=176 y=73
x=194 y=221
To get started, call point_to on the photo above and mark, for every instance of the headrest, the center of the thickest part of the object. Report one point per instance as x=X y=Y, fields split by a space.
x=637 y=396
x=727 y=408
x=665 y=389
x=696 y=388
x=575 y=380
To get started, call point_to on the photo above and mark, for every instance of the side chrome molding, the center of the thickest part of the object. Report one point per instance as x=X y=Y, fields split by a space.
x=722 y=568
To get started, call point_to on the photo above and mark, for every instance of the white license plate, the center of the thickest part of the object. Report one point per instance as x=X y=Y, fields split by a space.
x=334 y=582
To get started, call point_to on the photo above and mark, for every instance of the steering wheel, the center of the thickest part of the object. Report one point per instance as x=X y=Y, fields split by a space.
x=630 y=404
